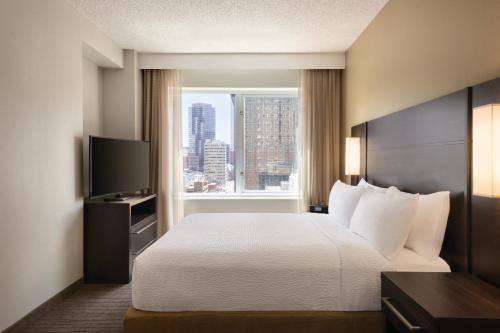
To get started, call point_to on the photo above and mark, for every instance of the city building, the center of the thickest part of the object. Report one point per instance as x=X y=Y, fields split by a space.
x=215 y=155
x=191 y=178
x=201 y=129
x=200 y=186
x=270 y=140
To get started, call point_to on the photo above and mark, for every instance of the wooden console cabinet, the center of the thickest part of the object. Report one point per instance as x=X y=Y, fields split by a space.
x=114 y=234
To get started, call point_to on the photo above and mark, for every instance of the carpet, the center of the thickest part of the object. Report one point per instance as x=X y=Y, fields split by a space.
x=92 y=308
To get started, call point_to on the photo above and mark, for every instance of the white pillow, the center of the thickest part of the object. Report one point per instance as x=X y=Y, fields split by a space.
x=385 y=219
x=427 y=233
x=363 y=183
x=343 y=200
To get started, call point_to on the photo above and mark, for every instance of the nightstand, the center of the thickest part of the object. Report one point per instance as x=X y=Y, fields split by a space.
x=440 y=302
x=322 y=209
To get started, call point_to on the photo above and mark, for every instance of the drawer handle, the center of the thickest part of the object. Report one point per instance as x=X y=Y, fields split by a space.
x=406 y=322
x=142 y=229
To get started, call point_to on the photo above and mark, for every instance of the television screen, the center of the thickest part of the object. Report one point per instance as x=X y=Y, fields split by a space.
x=117 y=166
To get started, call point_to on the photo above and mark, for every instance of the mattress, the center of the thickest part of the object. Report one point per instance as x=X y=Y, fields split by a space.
x=263 y=262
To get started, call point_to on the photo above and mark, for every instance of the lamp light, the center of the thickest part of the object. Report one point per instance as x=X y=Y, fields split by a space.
x=352 y=156
x=486 y=150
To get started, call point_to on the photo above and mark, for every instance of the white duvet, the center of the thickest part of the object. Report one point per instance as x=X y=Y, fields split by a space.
x=261 y=262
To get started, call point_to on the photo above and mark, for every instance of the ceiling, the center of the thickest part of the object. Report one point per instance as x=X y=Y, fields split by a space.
x=231 y=26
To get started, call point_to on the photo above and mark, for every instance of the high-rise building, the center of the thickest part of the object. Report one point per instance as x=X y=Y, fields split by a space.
x=270 y=140
x=201 y=129
x=215 y=161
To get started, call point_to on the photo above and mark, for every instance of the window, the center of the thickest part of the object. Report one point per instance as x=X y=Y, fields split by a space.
x=241 y=142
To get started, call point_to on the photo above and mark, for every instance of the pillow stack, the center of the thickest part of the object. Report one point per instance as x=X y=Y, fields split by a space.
x=427 y=233
x=343 y=201
x=385 y=219
x=364 y=184
x=390 y=219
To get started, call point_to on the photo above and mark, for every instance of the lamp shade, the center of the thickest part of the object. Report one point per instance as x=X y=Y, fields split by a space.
x=352 y=156
x=486 y=150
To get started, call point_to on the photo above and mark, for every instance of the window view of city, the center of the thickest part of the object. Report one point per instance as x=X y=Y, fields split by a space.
x=267 y=158
x=208 y=121
x=270 y=143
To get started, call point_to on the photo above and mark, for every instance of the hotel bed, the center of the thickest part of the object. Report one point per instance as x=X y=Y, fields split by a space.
x=264 y=262
x=309 y=272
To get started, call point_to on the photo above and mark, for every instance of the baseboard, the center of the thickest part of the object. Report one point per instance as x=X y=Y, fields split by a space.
x=44 y=307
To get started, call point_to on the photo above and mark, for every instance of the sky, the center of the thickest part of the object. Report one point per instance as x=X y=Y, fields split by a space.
x=222 y=105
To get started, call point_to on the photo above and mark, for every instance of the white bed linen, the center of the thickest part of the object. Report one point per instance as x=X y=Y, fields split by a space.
x=260 y=262
x=409 y=261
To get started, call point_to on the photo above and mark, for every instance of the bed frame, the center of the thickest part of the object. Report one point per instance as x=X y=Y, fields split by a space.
x=251 y=322
x=424 y=149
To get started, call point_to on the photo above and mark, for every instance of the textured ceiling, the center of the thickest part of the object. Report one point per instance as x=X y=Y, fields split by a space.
x=227 y=26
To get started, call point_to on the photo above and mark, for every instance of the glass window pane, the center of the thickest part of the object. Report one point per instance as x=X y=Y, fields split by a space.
x=270 y=126
x=208 y=142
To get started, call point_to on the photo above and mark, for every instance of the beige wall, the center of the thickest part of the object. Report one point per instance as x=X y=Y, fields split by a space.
x=417 y=50
x=41 y=128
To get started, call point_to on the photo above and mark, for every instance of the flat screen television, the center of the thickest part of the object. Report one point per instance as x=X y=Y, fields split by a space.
x=117 y=167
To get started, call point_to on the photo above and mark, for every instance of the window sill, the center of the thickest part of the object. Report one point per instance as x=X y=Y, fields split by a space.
x=241 y=196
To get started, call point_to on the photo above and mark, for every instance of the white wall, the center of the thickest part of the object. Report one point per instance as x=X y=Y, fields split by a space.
x=238 y=205
x=93 y=112
x=122 y=107
x=240 y=78
x=273 y=61
x=41 y=128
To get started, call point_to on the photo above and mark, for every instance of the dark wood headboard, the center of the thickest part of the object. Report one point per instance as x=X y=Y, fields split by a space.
x=425 y=149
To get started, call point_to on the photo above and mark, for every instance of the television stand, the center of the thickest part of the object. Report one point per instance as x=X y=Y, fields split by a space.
x=115 y=232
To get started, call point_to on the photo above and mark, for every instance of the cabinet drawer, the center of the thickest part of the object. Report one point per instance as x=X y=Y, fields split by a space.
x=402 y=313
x=142 y=238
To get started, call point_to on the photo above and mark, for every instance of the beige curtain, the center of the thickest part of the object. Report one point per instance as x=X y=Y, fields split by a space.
x=162 y=115
x=319 y=134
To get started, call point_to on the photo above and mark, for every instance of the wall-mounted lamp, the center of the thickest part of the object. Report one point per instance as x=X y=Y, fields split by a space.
x=486 y=150
x=352 y=156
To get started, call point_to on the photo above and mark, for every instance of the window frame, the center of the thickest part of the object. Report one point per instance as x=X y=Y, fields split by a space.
x=239 y=143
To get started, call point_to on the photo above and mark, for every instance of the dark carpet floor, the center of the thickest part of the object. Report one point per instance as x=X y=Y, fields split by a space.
x=92 y=308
